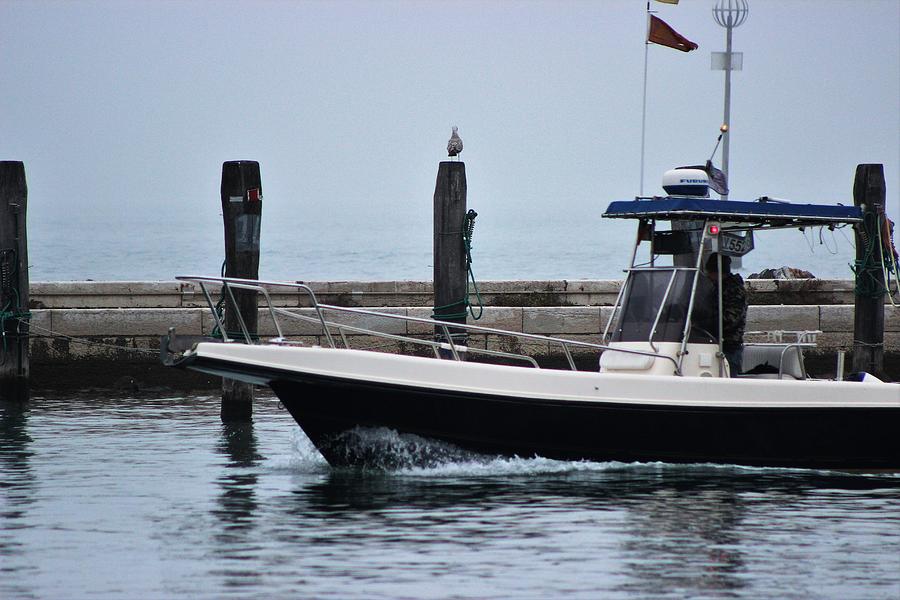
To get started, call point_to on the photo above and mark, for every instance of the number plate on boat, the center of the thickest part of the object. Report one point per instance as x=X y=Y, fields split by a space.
x=735 y=244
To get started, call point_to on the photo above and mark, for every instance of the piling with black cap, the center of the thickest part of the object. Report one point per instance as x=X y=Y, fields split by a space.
x=242 y=212
x=868 y=318
x=14 y=366
x=450 y=269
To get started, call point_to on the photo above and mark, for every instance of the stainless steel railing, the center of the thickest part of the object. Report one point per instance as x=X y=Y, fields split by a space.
x=328 y=326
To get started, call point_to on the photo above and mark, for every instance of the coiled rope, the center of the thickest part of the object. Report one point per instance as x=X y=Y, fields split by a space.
x=889 y=262
x=468 y=231
x=23 y=317
x=878 y=263
x=9 y=268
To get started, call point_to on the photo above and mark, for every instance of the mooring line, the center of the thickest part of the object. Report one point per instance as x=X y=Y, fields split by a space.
x=87 y=342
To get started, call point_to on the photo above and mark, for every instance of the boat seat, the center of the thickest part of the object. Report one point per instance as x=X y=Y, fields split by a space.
x=612 y=360
x=766 y=357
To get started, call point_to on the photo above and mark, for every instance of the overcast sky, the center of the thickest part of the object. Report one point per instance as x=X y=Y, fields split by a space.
x=126 y=108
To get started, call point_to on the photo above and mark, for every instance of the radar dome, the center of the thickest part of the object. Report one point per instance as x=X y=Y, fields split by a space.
x=686 y=182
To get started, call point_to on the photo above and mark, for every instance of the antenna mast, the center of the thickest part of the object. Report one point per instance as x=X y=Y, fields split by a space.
x=728 y=14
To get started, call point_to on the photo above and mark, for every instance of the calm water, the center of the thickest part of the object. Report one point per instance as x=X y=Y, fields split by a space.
x=152 y=497
x=558 y=244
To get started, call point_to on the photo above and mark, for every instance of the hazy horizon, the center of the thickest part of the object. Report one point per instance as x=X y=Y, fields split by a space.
x=123 y=113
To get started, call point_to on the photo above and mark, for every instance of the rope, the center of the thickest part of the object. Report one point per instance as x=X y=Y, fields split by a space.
x=808 y=239
x=468 y=231
x=822 y=241
x=871 y=271
x=18 y=315
x=868 y=344
x=87 y=342
x=23 y=317
x=219 y=309
x=889 y=259
x=9 y=268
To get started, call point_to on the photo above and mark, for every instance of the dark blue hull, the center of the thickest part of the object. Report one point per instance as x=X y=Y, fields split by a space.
x=835 y=438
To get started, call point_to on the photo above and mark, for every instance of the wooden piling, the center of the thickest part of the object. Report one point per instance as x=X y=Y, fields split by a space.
x=450 y=269
x=868 y=318
x=242 y=213
x=14 y=365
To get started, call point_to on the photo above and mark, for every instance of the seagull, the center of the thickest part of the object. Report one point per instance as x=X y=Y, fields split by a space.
x=454 y=145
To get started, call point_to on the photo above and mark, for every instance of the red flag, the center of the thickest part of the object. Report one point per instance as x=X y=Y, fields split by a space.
x=662 y=34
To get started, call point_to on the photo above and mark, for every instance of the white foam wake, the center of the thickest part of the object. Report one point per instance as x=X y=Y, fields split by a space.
x=384 y=449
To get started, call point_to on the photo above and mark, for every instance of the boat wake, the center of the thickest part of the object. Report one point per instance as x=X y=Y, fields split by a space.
x=384 y=450
x=387 y=450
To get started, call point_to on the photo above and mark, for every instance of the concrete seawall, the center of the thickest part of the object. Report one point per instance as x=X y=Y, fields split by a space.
x=92 y=321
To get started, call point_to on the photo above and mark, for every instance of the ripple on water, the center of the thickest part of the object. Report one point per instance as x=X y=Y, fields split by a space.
x=107 y=497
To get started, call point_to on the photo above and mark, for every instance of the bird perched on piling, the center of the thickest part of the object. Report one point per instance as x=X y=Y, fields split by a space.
x=454 y=145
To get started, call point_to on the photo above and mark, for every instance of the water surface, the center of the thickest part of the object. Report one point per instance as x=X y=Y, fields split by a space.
x=559 y=244
x=104 y=496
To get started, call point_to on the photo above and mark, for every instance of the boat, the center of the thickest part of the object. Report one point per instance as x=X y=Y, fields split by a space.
x=661 y=389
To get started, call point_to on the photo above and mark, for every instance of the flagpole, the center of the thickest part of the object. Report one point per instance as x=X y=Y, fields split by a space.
x=644 y=110
x=665 y=36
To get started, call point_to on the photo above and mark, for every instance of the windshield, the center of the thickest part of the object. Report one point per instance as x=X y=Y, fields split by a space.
x=642 y=300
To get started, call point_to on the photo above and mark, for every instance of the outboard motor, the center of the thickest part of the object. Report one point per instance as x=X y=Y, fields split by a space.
x=686 y=182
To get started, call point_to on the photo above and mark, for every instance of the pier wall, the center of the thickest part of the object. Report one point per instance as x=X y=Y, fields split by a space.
x=122 y=321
